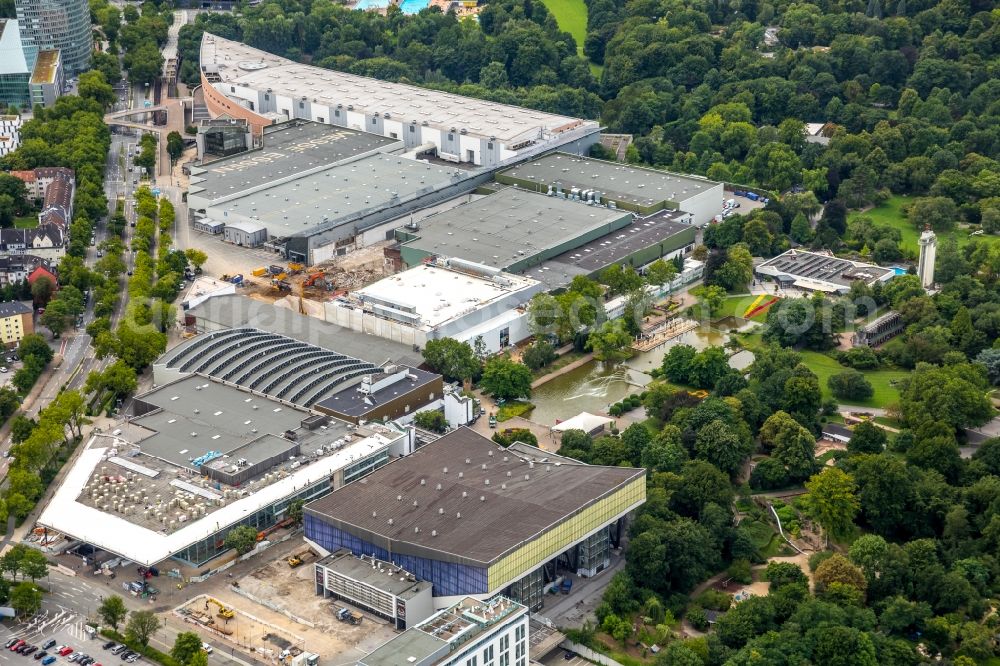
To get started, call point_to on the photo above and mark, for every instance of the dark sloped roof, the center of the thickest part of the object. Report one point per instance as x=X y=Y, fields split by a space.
x=13 y=308
x=513 y=510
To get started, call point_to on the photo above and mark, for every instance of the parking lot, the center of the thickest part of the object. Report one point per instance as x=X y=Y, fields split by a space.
x=66 y=628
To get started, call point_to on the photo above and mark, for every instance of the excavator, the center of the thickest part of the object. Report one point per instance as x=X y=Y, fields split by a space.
x=224 y=611
x=313 y=278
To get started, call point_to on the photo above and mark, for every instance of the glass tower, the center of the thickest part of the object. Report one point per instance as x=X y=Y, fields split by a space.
x=58 y=24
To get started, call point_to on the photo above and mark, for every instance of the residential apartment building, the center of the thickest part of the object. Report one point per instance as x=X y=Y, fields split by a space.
x=15 y=322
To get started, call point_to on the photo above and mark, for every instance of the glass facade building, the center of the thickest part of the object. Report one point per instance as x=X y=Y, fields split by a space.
x=15 y=70
x=58 y=24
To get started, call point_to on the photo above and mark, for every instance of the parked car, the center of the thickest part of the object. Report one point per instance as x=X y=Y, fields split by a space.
x=18 y=643
x=31 y=648
x=117 y=648
x=41 y=654
x=9 y=644
x=207 y=648
x=48 y=660
x=109 y=645
x=65 y=650
x=49 y=643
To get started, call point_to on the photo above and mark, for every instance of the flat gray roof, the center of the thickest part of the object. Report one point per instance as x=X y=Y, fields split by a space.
x=601 y=253
x=242 y=65
x=513 y=510
x=505 y=228
x=337 y=194
x=619 y=182
x=410 y=647
x=234 y=311
x=197 y=415
x=289 y=148
x=353 y=402
x=401 y=584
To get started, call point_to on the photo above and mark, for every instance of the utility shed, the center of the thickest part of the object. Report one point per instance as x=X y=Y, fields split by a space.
x=246 y=233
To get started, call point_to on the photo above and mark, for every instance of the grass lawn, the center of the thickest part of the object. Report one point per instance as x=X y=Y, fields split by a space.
x=735 y=306
x=26 y=222
x=571 y=15
x=824 y=367
x=891 y=213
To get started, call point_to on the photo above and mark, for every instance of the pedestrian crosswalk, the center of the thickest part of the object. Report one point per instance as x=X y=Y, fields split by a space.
x=47 y=622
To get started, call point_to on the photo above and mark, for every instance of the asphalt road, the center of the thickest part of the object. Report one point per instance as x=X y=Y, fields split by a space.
x=73 y=599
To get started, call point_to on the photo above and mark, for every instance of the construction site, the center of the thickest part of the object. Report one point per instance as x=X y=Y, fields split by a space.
x=302 y=288
x=285 y=587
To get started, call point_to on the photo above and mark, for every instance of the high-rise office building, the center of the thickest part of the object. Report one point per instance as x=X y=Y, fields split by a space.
x=14 y=69
x=57 y=24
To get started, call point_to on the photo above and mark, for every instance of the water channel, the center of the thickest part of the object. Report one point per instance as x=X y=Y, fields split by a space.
x=594 y=386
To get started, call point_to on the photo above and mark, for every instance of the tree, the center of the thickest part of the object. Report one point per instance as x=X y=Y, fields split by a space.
x=432 y=420
x=175 y=145
x=838 y=569
x=506 y=379
x=186 y=645
x=112 y=611
x=94 y=86
x=196 y=257
x=990 y=360
x=453 y=359
x=511 y=435
x=621 y=279
x=720 y=445
x=711 y=298
x=242 y=539
x=940 y=213
x=26 y=598
x=850 y=385
x=867 y=438
x=57 y=317
x=678 y=654
x=295 y=511
x=41 y=290
x=707 y=367
x=661 y=272
x=199 y=658
x=832 y=501
x=676 y=364
x=610 y=342
x=33 y=565
x=141 y=627
x=954 y=394
x=539 y=355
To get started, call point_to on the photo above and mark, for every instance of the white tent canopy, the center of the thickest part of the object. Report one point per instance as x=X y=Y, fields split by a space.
x=585 y=421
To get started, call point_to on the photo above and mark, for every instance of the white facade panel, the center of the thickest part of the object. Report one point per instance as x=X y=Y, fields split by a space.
x=392 y=128
x=470 y=148
x=705 y=205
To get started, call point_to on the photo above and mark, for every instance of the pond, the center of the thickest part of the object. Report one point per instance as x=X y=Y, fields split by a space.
x=593 y=387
